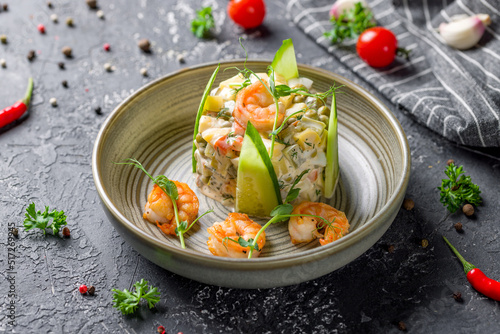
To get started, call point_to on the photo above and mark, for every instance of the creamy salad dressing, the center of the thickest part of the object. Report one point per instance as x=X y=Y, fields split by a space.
x=300 y=146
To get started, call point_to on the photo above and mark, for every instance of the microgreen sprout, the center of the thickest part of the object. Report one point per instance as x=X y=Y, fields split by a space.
x=169 y=188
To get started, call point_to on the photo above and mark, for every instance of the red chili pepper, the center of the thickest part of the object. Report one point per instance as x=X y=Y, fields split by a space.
x=12 y=113
x=479 y=281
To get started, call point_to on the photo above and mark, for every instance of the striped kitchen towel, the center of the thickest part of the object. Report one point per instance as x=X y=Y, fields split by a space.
x=455 y=93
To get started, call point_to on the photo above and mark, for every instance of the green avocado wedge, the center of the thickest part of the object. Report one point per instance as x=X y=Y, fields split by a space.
x=332 y=152
x=284 y=62
x=257 y=188
x=208 y=87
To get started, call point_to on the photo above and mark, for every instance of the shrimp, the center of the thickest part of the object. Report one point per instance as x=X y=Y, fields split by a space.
x=159 y=209
x=235 y=226
x=306 y=229
x=256 y=105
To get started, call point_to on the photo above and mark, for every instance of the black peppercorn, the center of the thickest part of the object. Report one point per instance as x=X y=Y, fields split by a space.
x=91 y=290
x=458 y=227
x=98 y=110
x=92 y=4
x=408 y=204
x=5 y=7
x=458 y=297
x=64 y=83
x=66 y=232
x=402 y=326
x=61 y=65
x=15 y=232
x=31 y=55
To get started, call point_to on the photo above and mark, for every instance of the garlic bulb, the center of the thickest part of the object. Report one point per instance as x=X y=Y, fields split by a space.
x=464 y=32
x=341 y=6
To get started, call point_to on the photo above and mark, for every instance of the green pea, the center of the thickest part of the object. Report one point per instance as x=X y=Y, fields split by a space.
x=199 y=138
x=298 y=99
x=324 y=119
x=311 y=113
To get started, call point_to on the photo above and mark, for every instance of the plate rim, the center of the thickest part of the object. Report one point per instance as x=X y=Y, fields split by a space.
x=280 y=261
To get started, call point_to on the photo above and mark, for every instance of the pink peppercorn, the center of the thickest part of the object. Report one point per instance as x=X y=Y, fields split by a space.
x=106 y=47
x=41 y=28
x=83 y=289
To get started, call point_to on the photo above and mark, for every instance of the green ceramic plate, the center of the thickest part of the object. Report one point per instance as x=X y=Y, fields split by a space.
x=155 y=126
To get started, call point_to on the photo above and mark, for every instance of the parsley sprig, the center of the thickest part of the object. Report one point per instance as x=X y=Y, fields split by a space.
x=42 y=220
x=458 y=189
x=350 y=24
x=128 y=301
x=170 y=189
x=203 y=23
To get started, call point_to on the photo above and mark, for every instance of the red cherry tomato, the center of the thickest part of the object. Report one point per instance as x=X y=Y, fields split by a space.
x=247 y=13
x=377 y=46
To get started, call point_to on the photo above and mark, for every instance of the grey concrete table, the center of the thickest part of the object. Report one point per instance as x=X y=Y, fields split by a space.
x=46 y=159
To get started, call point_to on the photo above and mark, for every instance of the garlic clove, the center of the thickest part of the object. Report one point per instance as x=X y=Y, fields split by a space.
x=341 y=6
x=464 y=32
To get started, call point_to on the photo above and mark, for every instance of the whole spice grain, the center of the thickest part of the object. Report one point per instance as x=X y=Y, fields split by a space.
x=458 y=227
x=450 y=161
x=91 y=290
x=3 y=39
x=41 y=28
x=54 y=18
x=144 y=72
x=458 y=297
x=53 y=101
x=67 y=51
x=49 y=4
x=92 y=4
x=69 y=22
x=83 y=289
x=5 y=7
x=64 y=83
x=66 y=232
x=144 y=45
x=468 y=210
x=3 y=63
x=31 y=55
x=106 y=47
x=100 y=14
x=160 y=329
x=108 y=67
x=402 y=326
x=408 y=204
x=180 y=58
x=15 y=232
x=391 y=248
x=98 y=110
x=61 y=65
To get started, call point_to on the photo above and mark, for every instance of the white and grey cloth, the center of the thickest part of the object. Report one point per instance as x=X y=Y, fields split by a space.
x=455 y=93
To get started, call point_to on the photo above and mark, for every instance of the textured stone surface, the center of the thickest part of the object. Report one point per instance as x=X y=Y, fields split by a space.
x=46 y=159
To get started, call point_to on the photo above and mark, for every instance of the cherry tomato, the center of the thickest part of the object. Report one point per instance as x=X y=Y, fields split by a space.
x=247 y=13
x=377 y=46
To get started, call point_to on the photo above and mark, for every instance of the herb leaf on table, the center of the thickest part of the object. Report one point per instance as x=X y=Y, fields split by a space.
x=127 y=301
x=42 y=220
x=203 y=23
x=350 y=24
x=458 y=189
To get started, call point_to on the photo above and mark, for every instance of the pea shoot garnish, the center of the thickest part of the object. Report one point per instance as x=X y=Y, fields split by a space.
x=169 y=188
x=350 y=24
x=458 y=189
x=279 y=214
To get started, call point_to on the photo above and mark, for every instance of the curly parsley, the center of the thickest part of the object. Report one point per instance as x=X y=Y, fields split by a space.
x=203 y=22
x=350 y=24
x=128 y=301
x=42 y=220
x=458 y=189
